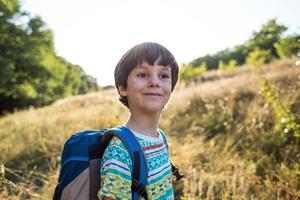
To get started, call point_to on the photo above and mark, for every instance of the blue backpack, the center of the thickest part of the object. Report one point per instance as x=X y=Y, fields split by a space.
x=80 y=164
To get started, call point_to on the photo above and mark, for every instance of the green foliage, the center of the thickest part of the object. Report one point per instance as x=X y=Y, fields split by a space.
x=257 y=58
x=266 y=37
x=188 y=72
x=290 y=124
x=8 y=8
x=230 y=66
x=287 y=46
x=238 y=53
x=31 y=72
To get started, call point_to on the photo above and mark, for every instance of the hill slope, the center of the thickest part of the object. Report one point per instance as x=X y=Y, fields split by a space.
x=224 y=135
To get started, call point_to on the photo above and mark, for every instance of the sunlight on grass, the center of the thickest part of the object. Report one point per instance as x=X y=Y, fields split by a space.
x=223 y=135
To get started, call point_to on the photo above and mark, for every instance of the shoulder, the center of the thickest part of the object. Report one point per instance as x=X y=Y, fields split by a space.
x=116 y=144
x=115 y=141
x=116 y=152
x=116 y=170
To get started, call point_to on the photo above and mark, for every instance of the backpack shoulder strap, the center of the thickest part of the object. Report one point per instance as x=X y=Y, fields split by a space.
x=140 y=168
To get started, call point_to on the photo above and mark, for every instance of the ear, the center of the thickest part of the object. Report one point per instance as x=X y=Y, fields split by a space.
x=122 y=90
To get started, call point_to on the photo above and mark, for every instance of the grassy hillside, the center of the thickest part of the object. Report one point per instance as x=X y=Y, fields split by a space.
x=224 y=134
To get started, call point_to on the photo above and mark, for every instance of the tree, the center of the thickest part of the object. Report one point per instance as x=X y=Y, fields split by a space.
x=287 y=46
x=8 y=8
x=31 y=72
x=266 y=37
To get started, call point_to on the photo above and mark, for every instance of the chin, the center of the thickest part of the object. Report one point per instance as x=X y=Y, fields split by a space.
x=154 y=109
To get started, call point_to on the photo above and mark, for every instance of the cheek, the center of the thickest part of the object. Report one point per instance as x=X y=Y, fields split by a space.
x=167 y=92
x=134 y=87
x=138 y=83
x=168 y=87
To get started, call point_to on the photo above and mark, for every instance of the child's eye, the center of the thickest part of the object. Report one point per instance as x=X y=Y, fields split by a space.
x=142 y=75
x=165 y=76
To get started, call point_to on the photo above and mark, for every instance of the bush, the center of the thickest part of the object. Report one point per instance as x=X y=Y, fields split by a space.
x=230 y=66
x=288 y=46
x=257 y=58
x=188 y=72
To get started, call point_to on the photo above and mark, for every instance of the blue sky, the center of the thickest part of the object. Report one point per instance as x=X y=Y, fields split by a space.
x=95 y=33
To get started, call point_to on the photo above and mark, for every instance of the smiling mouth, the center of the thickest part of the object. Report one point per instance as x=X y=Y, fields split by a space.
x=152 y=94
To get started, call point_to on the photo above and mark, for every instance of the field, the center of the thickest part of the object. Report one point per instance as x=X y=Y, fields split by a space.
x=230 y=141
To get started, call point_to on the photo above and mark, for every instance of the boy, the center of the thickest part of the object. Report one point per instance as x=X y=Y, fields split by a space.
x=144 y=77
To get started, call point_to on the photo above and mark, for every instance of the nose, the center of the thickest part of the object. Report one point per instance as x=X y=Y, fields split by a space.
x=154 y=81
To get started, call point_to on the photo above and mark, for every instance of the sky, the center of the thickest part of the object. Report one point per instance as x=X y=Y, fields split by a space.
x=96 y=33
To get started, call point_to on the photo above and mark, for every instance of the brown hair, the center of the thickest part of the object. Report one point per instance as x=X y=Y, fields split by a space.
x=150 y=52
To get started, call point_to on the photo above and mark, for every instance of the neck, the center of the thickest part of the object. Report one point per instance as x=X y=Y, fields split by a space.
x=143 y=123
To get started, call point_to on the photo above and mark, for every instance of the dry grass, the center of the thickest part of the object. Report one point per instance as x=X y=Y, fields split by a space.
x=31 y=140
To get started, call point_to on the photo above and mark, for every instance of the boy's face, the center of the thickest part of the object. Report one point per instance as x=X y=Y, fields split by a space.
x=148 y=88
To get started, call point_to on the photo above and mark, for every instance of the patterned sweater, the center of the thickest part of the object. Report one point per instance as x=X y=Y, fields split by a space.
x=116 y=169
